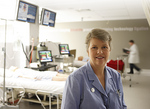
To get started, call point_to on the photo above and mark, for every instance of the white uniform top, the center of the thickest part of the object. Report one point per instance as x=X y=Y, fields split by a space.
x=134 y=54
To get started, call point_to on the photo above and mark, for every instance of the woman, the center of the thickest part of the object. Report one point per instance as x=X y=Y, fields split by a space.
x=94 y=86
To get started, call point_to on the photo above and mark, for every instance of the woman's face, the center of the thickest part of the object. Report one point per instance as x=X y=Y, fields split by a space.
x=98 y=52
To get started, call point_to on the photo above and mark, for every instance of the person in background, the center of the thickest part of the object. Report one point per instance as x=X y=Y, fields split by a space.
x=133 y=57
x=94 y=85
x=85 y=59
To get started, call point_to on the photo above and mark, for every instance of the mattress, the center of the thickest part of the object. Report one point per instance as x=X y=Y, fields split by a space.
x=44 y=84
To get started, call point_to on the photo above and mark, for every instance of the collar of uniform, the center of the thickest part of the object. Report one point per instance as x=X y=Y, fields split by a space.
x=107 y=73
x=108 y=80
x=92 y=77
x=91 y=74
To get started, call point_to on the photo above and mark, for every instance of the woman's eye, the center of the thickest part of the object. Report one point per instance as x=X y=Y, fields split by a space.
x=105 y=47
x=94 y=47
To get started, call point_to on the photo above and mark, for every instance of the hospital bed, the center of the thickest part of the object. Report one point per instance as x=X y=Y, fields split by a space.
x=78 y=64
x=44 y=86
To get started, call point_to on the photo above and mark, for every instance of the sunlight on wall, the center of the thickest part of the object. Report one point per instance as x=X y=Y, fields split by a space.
x=14 y=31
x=8 y=9
x=45 y=34
x=16 y=34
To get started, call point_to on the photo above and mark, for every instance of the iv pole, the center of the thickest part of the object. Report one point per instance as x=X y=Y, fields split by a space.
x=4 y=88
x=4 y=62
x=4 y=49
x=4 y=106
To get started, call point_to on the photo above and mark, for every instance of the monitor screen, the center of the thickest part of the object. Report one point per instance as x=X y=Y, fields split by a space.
x=45 y=56
x=64 y=49
x=26 y=12
x=48 y=18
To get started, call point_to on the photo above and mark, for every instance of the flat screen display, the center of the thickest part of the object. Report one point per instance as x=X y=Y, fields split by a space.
x=45 y=56
x=64 y=49
x=26 y=12
x=48 y=18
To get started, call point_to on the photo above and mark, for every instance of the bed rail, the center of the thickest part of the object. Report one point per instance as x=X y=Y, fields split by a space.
x=50 y=94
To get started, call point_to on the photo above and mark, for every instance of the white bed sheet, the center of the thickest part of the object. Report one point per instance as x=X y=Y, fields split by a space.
x=77 y=63
x=45 y=84
x=49 y=86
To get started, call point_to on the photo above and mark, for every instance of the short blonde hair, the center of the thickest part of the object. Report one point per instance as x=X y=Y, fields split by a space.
x=99 y=34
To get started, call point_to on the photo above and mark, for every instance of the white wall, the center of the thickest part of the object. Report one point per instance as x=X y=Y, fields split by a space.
x=14 y=37
x=74 y=33
x=74 y=39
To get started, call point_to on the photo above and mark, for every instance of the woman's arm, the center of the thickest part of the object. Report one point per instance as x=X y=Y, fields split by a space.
x=122 y=94
x=71 y=94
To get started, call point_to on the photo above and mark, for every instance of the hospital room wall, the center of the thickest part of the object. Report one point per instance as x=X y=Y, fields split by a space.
x=14 y=37
x=18 y=33
x=74 y=33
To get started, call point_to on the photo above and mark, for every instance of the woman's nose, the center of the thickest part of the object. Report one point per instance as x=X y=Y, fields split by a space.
x=99 y=51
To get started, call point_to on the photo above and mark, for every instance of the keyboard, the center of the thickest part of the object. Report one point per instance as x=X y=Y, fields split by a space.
x=42 y=68
x=50 y=65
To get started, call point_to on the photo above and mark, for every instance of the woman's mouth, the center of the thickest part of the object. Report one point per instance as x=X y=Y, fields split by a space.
x=99 y=57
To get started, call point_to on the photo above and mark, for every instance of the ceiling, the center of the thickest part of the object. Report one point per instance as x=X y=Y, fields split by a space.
x=93 y=10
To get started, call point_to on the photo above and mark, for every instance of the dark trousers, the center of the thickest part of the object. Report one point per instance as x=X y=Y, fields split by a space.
x=132 y=66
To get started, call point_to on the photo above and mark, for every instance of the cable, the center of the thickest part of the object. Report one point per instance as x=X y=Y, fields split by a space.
x=31 y=50
x=25 y=53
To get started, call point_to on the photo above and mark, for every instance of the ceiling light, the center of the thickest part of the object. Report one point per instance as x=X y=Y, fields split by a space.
x=83 y=10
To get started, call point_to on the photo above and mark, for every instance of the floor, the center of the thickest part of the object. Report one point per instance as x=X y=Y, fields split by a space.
x=27 y=105
x=136 y=97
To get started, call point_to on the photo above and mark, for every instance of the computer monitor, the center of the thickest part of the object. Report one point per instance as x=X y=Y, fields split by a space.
x=64 y=49
x=26 y=12
x=45 y=56
x=48 y=18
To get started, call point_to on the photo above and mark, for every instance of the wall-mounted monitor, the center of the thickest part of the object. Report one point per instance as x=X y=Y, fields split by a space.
x=26 y=12
x=64 y=49
x=45 y=56
x=48 y=18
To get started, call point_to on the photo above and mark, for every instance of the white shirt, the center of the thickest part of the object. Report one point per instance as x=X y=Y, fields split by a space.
x=134 y=54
